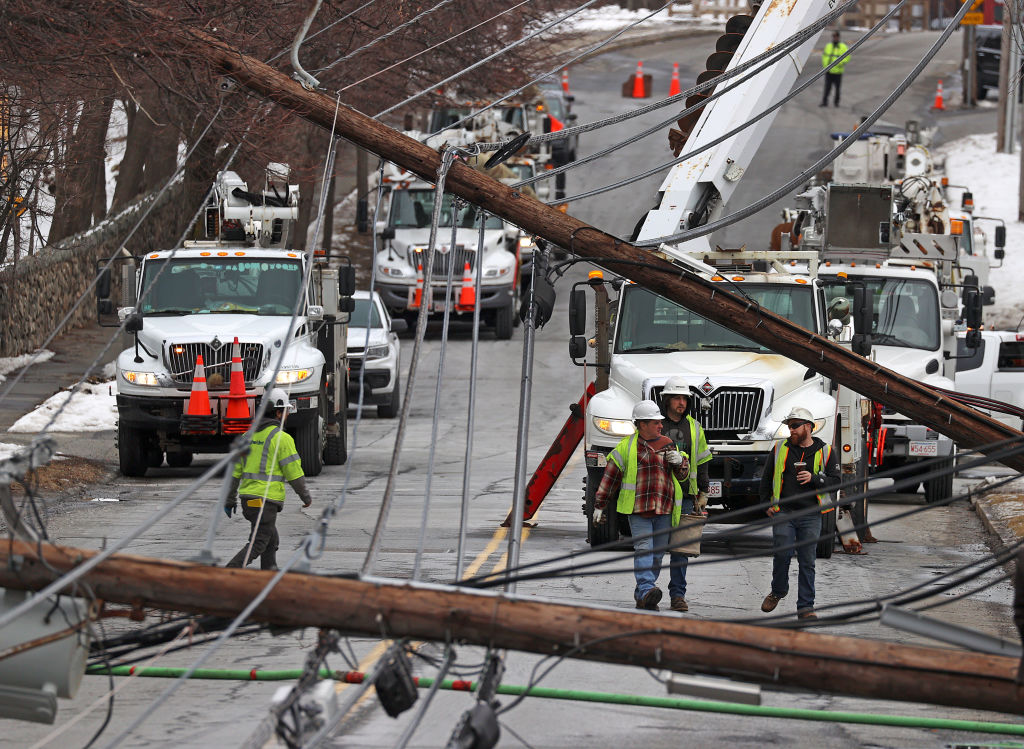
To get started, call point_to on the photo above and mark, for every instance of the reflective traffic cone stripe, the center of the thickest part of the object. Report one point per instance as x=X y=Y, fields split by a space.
x=199 y=417
x=237 y=416
x=565 y=80
x=938 y=97
x=467 y=295
x=638 y=81
x=673 y=87
x=417 y=298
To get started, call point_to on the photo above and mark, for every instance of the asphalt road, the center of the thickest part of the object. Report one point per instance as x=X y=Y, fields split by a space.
x=916 y=550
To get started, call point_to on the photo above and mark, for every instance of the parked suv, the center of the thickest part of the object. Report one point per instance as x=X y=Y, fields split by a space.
x=379 y=358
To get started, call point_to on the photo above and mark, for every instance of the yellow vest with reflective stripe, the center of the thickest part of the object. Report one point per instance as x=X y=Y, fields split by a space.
x=780 y=464
x=699 y=453
x=834 y=52
x=271 y=460
x=625 y=457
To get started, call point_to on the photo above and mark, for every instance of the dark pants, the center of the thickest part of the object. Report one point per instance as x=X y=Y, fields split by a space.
x=803 y=531
x=265 y=544
x=832 y=79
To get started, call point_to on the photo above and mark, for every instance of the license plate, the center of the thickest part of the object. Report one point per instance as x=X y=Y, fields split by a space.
x=925 y=447
x=714 y=489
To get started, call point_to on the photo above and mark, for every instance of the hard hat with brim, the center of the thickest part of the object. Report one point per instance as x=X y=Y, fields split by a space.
x=647 y=410
x=798 y=415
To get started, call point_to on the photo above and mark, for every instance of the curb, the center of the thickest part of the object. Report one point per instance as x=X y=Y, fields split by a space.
x=1002 y=512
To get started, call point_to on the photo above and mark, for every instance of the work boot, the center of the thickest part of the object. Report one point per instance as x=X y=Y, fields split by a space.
x=649 y=600
x=806 y=614
x=679 y=604
x=770 y=602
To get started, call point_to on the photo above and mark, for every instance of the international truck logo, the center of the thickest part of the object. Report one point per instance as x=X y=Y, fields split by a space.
x=706 y=387
x=216 y=344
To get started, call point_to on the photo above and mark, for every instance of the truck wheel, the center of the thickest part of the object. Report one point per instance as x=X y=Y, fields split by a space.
x=310 y=441
x=390 y=409
x=336 y=450
x=940 y=487
x=599 y=533
x=181 y=459
x=827 y=539
x=154 y=456
x=503 y=322
x=131 y=451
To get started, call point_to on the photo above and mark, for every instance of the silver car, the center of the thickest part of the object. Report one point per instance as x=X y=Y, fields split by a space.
x=374 y=363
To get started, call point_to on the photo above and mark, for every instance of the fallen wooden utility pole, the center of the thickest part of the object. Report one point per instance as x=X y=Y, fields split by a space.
x=969 y=428
x=784 y=658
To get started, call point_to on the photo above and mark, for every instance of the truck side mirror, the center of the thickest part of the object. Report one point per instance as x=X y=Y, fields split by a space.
x=863 y=310
x=388 y=232
x=346 y=281
x=133 y=323
x=1000 y=237
x=577 y=347
x=577 y=312
x=103 y=284
x=973 y=301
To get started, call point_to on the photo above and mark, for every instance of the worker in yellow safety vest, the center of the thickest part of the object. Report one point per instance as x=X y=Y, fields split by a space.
x=834 y=77
x=258 y=479
x=796 y=479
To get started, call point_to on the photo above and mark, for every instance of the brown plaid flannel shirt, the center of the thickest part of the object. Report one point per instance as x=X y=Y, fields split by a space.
x=654 y=492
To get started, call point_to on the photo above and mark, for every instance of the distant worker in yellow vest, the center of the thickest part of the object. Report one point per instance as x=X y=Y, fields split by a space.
x=644 y=475
x=833 y=78
x=795 y=469
x=258 y=479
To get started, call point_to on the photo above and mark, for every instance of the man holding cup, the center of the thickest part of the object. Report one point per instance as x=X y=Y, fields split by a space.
x=795 y=479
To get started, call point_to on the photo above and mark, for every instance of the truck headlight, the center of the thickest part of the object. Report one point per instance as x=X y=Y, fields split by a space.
x=291 y=376
x=616 y=427
x=495 y=272
x=525 y=242
x=390 y=270
x=148 y=379
x=377 y=352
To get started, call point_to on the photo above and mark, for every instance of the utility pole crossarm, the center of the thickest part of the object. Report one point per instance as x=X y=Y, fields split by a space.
x=777 y=657
x=969 y=428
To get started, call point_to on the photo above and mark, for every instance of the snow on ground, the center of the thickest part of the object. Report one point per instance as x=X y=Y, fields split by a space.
x=92 y=409
x=994 y=179
x=10 y=364
x=612 y=18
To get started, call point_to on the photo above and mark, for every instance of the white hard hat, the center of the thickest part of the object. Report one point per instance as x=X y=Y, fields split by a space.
x=676 y=386
x=799 y=414
x=279 y=399
x=647 y=411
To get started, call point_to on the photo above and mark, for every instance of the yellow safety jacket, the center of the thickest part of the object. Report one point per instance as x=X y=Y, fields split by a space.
x=821 y=457
x=625 y=457
x=834 y=52
x=700 y=453
x=271 y=460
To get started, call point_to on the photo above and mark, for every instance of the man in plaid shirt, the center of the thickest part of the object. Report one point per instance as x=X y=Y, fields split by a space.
x=643 y=474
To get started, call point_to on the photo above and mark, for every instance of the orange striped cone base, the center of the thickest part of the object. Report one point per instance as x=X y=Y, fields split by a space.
x=236 y=417
x=198 y=417
x=467 y=295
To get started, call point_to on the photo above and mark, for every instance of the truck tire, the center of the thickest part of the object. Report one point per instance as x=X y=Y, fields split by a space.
x=940 y=487
x=390 y=409
x=181 y=459
x=310 y=441
x=154 y=456
x=336 y=449
x=827 y=539
x=598 y=533
x=503 y=322
x=131 y=451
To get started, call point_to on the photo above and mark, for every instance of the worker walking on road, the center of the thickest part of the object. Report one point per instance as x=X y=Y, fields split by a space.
x=688 y=436
x=833 y=78
x=643 y=474
x=259 y=478
x=796 y=467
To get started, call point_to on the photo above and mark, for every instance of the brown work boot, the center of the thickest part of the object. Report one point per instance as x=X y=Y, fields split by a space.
x=770 y=602
x=806 y=614
x=679 y=604
x=650 y=600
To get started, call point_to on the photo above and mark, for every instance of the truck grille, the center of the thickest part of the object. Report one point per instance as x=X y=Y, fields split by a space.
x=730 y=409
x=456 y=258
x=181 y=362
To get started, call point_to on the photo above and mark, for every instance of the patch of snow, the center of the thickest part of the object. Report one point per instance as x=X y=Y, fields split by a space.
x=109 y=371
x=10 y=364
x=104 y=499
x=994 y=180
x=8 y=449
x=92 y=409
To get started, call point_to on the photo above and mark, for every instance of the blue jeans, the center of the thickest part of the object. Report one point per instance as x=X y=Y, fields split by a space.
x=647 y=564
x=803 y=531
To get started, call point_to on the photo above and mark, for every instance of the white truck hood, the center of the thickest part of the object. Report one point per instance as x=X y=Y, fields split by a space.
x=911 y=362
x=204 y=328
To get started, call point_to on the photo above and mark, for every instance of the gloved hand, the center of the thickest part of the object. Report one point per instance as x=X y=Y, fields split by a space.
x=598 y=516
x=229 y=509
x=701 y=503
x=673 y=457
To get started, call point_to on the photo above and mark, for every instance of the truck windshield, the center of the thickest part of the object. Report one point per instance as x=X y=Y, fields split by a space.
x=650 y=323
x=181 y=286
x=905 y=310
x=414 y=208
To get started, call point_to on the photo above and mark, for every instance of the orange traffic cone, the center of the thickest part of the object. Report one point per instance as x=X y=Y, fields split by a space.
x=565 y=80
x=417 y=296
x=237 y=417
x=467 y=295
x=199 y=417
x=638 y=82
x=938 y=97
x=673 y=87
